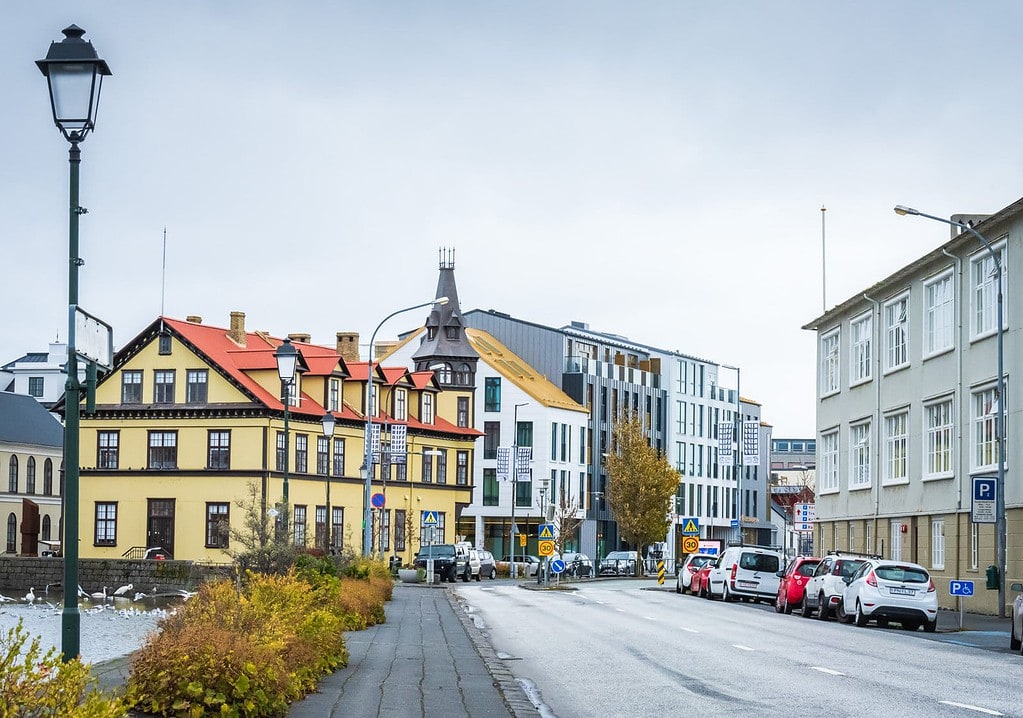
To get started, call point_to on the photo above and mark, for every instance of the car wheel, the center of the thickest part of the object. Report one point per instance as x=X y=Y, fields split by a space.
x=725 y=595
x=678 y=586
x=479 y=576
x=787 y=609
x=806 y=611
x=1015 y=644
x=931 y=626
x=493 y=573
x=823 y=612
x=861 y=620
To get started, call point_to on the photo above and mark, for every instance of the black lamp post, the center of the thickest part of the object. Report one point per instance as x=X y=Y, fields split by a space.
x=287 y=360
x=74 y=74
x=328 y=422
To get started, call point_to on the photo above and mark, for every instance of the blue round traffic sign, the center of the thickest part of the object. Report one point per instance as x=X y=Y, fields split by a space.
x=377 y=500
x=557 y=566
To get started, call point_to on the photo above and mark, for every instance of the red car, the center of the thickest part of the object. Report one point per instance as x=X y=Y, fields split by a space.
x=699 y=585
x=792 y=583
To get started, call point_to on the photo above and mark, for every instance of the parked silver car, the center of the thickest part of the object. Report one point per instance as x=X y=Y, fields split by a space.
x=1016 y=632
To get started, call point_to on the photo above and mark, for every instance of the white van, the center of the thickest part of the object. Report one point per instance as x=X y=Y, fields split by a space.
x=747 y=572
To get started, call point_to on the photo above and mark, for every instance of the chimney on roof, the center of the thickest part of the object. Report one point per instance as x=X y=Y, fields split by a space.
x=348 y=346
x=193 y=319
x=237 y=331
x=300 y=337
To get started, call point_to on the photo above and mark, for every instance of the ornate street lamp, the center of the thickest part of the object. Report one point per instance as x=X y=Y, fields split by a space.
x=287 y=360
x=328 y=422
x=74 y=73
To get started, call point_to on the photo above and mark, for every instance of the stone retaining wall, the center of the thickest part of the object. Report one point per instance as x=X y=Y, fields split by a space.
x=18 y=573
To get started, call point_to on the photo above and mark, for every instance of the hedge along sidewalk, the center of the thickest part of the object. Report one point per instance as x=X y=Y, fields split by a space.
x=428 y=659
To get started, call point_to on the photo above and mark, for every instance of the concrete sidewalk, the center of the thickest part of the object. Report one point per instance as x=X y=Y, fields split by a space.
x=428 y=660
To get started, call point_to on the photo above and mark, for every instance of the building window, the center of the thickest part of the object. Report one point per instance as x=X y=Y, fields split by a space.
x=400 y=525
x=427 y=475
x=35 y=386
x=938 y=439
x=219 y=452
x=385 y=530
x=12 y=474
x=554 y=441
x=896 y=547
x=974 y=546
x=852 y=536
x=859 y=456
x=337 y=528
x=442 y=466
x=427 y=413
x=163 y=386
x=491 y=439
x=164 y=343
x=218 y=525
x=400 y=404
x=30 y=475
x=462 y=468
x=492 y=394
x=985 y=437
x=463 y=412
x=861 y=333
x=829 y=363
x=443 y=373
x=896 y=322
x=108 y=449
x=523 y=493
x=338 y=464
x=938 y=544
x=301 y=453
x=163 y=449
x=299 y=528
x=47 y=528
x=333 y=402
x=320 y=527
x=895 y=447
x=868 y=538
x=985 y=291
x=196 y=386
x=524 y=434
x=281 y=452
x=48 y=477
x=939 y=305
x=131 y=387
x=12 y=533
x=106 y=524
x=828 y=478
x=491 y=488
x=322 y=457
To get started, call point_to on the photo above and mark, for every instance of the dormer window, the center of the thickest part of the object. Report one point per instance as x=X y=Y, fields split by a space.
x=451 y=332
x=164 y=343
x=431 y=333
x=400 y=404
x=426 y=415
x=334 y=400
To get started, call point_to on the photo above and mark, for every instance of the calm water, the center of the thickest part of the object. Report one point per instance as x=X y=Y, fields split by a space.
x=109 y=629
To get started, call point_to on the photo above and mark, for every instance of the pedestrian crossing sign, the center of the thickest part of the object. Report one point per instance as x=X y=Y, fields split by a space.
x=690 y=526
x=546 y=531
x=429 y=518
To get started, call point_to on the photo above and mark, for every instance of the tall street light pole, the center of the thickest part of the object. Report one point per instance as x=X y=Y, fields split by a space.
x=287 y=360
x=1000 y=538
x=367 y=458
x=515 y=484
x=328 y=422
x=74 y=73
x=737 y=456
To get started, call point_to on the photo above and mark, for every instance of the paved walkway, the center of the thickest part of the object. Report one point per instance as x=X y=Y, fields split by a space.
x=427 y=661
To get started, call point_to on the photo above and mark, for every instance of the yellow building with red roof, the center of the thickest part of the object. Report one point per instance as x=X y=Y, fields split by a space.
x=188 y=434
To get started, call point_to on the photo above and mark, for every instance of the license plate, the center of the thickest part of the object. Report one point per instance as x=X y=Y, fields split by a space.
x=747 y=584
x=902 y=591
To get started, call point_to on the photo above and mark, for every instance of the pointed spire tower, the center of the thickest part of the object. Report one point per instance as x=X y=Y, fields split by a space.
x=444 y=349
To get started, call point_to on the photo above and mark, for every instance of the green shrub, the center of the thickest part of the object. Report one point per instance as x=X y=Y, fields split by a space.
x=33 y=684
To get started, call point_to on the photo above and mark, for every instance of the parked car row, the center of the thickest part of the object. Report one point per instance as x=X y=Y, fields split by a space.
x=855 y=588
x=1016 y=632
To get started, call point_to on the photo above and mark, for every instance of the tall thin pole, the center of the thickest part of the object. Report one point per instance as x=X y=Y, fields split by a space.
x=163 y=273
x=737 y=464
x=515 y=485
x=824 y=265
x=286 y=390
x=71 y=619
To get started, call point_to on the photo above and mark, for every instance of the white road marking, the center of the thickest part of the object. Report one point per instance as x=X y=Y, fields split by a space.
x=829 y=671
x=741 y=647
x=967 y=706
x=691 y=630
x=650 y=618
x=620 y=610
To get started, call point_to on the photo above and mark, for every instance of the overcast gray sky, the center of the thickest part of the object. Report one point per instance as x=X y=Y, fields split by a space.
x=655 y=169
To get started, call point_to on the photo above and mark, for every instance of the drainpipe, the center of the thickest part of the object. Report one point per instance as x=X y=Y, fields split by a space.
x=957 y=403
x=876 y=478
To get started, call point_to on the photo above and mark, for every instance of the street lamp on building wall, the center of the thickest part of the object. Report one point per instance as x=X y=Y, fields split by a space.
x=287 y=361
x=367 y=458
x=1000 y=538
x=74 y=73
x=328 y=422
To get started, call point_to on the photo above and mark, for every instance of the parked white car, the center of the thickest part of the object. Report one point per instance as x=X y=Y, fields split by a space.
x=693 y=563
x=884 y=590
x=823 y=594
x=747 y=572
x=1016 y=632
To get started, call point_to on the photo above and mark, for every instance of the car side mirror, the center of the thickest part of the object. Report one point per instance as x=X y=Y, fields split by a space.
x=779 y=574
x=846 y=580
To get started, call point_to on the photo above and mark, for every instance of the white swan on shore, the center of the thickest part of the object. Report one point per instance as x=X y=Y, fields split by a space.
x=101 y=595
x=30 y=597
x=124 y=589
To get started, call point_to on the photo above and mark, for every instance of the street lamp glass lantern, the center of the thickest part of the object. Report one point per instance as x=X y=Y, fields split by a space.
x=328 y=422
x=74 y=73
x=287 y=358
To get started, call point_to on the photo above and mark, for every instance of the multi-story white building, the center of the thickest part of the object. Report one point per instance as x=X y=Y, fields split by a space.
x=906 y=390
x=40 y=375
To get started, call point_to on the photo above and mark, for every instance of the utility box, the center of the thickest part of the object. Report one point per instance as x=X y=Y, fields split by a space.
x=992 y=578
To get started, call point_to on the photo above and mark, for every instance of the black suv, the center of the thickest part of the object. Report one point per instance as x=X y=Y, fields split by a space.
x=448 y=562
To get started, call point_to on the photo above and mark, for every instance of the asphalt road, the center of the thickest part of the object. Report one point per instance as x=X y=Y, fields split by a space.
x=627 y=648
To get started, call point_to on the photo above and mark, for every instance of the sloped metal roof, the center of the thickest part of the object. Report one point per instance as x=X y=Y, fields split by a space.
x=23 y=420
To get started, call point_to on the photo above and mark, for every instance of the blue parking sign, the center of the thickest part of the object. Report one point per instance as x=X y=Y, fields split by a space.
x=960 y=588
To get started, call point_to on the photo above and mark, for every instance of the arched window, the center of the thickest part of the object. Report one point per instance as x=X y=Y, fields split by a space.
x=12 y=533
x=443 y=372
x=12 y=480
x=46 y=528
x=30 y=475
x=48 y=477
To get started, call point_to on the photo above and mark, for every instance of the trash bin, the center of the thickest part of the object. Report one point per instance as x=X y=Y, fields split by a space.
x=395 y=564
x=992 y=578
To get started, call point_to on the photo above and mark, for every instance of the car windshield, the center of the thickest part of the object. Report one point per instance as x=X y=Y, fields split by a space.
x=903 y=574
x=438 y=551
x=700 y=561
